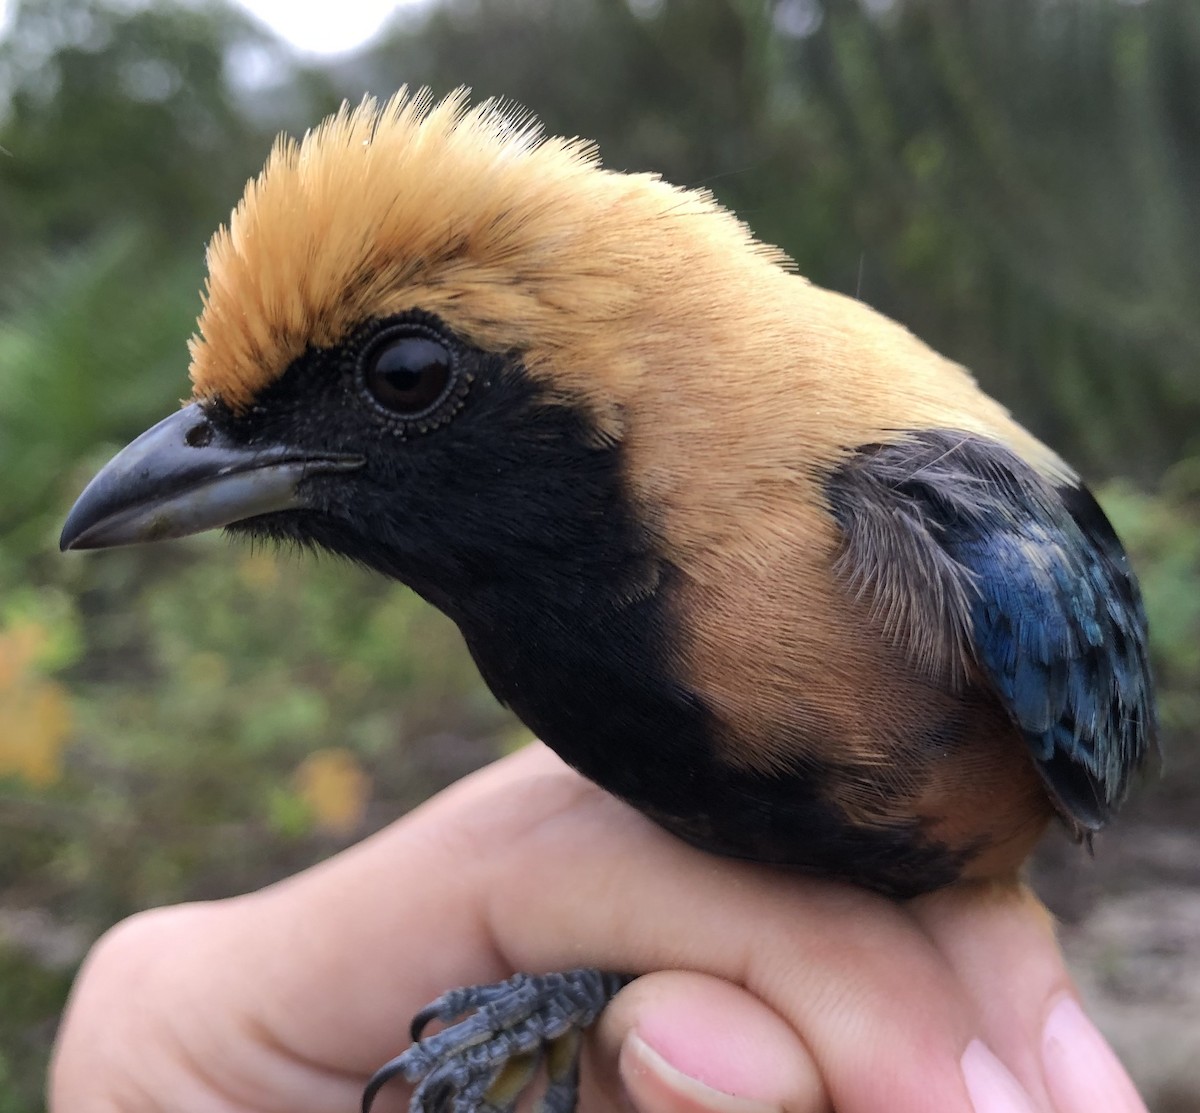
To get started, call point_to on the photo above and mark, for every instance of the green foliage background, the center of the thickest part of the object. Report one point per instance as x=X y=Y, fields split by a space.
x=1016 y=181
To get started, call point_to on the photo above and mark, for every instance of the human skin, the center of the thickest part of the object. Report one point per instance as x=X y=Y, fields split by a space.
x=766 y=990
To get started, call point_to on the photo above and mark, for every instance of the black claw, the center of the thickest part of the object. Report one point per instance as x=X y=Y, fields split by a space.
x=421 y=1021
x=381 y=1078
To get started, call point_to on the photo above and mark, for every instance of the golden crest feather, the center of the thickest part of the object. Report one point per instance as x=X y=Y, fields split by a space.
x=518 y=241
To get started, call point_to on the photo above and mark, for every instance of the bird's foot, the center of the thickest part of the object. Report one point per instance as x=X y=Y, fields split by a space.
x=483 y=1063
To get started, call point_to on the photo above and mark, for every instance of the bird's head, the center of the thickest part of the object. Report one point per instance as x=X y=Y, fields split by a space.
x=433 y=340
x=473 y=359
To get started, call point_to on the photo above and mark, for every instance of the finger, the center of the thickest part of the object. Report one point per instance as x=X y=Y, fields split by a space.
x=1001 y=943
x=854 y=975
x=154 y=1021
x=677 y=1042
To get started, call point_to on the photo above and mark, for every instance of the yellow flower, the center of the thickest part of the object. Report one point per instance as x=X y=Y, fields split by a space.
x=333 y=786
x=35 y=713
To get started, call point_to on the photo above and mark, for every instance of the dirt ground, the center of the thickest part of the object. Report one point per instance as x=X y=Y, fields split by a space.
x=1130 y=926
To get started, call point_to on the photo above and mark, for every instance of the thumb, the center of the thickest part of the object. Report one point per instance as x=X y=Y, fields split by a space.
x=679 y=1042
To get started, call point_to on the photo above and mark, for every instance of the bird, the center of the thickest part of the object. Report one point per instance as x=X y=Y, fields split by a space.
x=743 y=551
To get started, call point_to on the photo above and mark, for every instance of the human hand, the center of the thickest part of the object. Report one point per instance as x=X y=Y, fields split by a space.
x=790 y=993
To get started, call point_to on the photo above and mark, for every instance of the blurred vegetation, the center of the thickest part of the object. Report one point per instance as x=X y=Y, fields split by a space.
x=1015 y=181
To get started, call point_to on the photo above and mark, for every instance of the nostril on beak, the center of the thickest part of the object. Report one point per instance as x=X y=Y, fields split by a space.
x=199 y=436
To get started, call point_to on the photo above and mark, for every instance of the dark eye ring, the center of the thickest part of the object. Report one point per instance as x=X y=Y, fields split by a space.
x=408 y=371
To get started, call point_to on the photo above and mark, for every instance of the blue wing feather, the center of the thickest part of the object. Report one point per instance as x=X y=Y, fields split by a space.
x=1054 y=616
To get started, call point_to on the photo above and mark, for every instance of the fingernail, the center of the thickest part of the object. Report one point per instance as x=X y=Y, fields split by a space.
x=992 y=1086
x=655 y=1086
x=1083 y=1074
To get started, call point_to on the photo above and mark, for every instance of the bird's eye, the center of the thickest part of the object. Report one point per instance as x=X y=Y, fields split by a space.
x=408 y=374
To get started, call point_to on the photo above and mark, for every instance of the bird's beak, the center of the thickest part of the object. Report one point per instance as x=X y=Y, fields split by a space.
x=185 y=476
